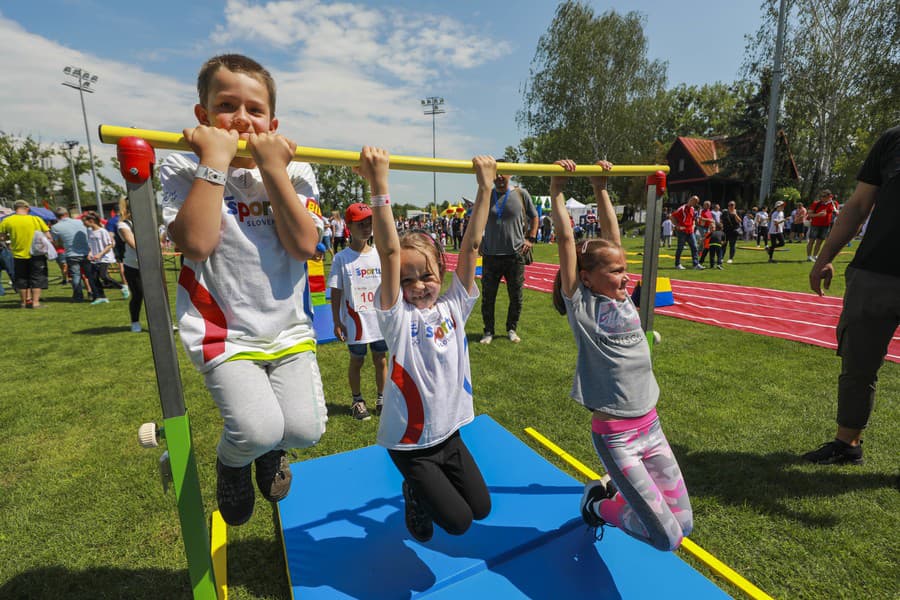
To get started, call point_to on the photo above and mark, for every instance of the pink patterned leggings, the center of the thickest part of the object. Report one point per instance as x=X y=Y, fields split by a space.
x=652 y=503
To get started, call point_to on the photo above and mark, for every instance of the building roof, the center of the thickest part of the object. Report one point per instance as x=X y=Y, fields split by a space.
x=704 y=152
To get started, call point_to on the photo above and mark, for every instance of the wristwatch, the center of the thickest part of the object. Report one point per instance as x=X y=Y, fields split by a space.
x=531 y=239
x=211 y=175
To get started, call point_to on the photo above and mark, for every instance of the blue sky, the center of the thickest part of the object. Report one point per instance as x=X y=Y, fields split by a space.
x=349 y=73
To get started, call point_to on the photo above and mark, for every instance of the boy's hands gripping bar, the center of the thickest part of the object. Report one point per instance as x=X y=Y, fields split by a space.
x=164 y=140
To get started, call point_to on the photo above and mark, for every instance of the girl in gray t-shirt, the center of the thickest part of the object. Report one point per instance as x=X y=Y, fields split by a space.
x=644 y=493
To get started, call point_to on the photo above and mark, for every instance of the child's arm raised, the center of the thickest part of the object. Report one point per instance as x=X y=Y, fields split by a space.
x=197 y=227
x=565 y=238
x=294 y=225
x=485 y=173
x=373 y=166
x=606 y=214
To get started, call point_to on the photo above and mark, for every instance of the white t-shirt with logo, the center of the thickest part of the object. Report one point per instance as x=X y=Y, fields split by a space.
x=776 y=223
x=358 y=276
x=428 y=395
x=249 y=296
x=98 y=239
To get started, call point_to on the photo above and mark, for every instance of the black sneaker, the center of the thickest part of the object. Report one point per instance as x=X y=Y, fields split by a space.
x=359 y=411
x=234 y=493
x=836 y=452
x=594 y=491
x=418 y=521
x=273 y=475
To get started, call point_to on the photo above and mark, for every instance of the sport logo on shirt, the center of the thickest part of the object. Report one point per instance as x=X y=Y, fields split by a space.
x=364 y=273
x=259 y=212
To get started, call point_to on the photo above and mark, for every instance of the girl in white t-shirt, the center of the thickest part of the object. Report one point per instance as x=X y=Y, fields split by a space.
x=643 y=493
x=100 y=257
x=429 y=392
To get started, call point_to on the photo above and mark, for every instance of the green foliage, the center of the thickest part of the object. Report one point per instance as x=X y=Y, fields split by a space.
x=24 y=169
x=842 y=77
x=592 y=92
x=702 y=111
x=339 y=187
x=789 y=195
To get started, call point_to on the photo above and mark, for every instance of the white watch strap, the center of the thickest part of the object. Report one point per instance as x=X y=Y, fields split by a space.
x=211 y=175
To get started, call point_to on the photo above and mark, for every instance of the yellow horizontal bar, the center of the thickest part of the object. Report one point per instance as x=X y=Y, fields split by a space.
x=164 y=140
x=690 y=547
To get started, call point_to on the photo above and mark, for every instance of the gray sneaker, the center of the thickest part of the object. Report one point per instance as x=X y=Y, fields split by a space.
x=359 y=411
x=273 y=475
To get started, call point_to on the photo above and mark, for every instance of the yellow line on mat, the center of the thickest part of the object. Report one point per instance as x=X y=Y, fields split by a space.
x=218 y=539
x=690 y=547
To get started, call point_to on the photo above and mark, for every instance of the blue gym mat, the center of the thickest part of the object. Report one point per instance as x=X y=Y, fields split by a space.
x=345 y=537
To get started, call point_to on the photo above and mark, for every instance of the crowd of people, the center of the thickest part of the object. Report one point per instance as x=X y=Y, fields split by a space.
x=707 y=230
x=84 y=247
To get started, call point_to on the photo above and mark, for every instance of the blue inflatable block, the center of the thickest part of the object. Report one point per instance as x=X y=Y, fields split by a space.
x=344 y=535
x=323 y=324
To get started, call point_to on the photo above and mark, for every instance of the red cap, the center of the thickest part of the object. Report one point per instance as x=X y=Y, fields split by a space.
x=357 y=212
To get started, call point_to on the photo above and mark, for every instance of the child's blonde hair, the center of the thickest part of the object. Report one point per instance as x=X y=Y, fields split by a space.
x=422 y=242
x=236 y=63
x=588 y=255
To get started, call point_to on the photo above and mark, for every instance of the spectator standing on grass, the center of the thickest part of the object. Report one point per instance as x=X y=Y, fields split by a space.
x=125 y=230
x=100 y=258
x=704 y=223
x=73 y=235
x=731 y=225
x=798 y=223
x=747 y=225
x=683 y=218
x=667 y=228
x=717 y=212
x=503 y=247
x=821 y=213
x=20 y=229
x=339 y=232
x=871 y=310
x=6 y=264
x=776 y=230
x=716 y=239
x=761 y=222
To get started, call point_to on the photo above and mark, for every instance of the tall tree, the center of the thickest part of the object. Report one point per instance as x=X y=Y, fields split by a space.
x=841 y=61
x=702 y=111
x=592 y=92
x=25 y=169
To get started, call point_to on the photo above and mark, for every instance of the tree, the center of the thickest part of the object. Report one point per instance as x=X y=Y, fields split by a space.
x=339 y=187
x=25 y=169
x=592 y=92
x=841 y=63
x=701 y=111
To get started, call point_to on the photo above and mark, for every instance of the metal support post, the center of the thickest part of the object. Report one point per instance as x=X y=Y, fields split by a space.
x=651 y=249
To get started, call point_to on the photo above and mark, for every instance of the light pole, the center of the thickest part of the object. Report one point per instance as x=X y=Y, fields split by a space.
x=432 y=105
x=83 y=82
x=71 y=144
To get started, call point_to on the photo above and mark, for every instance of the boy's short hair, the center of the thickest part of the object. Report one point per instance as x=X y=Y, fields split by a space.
x=236 y=63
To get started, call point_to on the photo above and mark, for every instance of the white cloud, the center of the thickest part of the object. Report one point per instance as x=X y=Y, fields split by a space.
x=347 y=75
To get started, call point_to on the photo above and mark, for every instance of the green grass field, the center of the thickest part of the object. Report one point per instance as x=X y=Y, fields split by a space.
x=82 y=514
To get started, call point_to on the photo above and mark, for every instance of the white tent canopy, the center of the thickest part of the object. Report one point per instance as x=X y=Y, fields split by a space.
x=576 y=208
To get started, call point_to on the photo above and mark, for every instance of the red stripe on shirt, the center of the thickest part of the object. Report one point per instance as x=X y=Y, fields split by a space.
x=215 y=324
x=356 y=320
x=415 y=412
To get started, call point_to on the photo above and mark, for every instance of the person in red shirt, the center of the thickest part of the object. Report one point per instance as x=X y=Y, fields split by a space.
x=683 y=219
x=821 y=215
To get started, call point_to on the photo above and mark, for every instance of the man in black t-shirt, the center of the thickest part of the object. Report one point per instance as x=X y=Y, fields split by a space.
x=871 y=310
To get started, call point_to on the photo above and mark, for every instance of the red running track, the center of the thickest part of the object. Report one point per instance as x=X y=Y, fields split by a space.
x=796 y=316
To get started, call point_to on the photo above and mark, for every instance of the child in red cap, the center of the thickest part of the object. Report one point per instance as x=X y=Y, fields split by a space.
x=354 y=277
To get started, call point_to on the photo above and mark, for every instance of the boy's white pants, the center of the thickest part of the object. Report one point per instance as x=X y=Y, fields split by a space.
x=267 y=405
